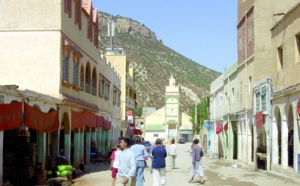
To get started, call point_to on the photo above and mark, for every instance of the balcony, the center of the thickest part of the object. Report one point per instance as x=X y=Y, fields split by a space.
x=129 y=81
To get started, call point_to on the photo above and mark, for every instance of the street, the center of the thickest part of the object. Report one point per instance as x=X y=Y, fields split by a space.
x=217 y=172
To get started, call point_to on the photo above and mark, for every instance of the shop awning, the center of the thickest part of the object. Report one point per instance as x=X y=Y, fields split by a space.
x=100 y=122
x=107 y=125
x=259 y=119
x=39 y=121
x=138 y=132
x=81 y=119
x=10 y=116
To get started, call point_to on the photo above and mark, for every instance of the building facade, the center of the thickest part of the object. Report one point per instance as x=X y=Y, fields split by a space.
x=285 y=110
x=125 y=68
x=59 y=57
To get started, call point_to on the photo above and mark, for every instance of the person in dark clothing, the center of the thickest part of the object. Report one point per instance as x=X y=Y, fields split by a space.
x=197 y=154
x=159 y=164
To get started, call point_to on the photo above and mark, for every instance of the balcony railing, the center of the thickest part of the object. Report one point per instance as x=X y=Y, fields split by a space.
x=81 y=85
x=87 y=88
x=94 y=91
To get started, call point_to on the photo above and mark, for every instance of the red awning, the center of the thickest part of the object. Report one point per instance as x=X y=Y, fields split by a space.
x=137 y=132
x=218 y=129
x=39 y=121
x=100 y=122
x=107 y=125
x=259 y=119
x=10 y=116
x=81 y=119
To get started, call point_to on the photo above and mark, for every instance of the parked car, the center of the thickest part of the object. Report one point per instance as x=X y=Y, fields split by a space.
x=147 y=145
x=181 y=140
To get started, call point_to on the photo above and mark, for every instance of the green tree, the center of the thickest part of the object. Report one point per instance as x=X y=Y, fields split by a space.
x=202 y=114
x=139 y=111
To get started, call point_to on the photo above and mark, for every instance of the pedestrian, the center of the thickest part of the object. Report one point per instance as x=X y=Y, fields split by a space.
x=140 y=153
x=126 y=168
x=197 y=154
x=159 y=164
x=151 y=157
x=172 y=153
x=115 y=163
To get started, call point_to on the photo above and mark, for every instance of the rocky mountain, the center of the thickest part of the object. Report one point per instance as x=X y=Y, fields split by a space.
x=154 y=63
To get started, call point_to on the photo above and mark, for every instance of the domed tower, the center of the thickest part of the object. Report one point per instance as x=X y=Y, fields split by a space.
x=172 y=109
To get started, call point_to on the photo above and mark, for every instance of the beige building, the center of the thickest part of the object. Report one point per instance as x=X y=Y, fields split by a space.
x=51 y=47
x=255 y=19
x=125 y=68
x=169 y=122
x=285 y=61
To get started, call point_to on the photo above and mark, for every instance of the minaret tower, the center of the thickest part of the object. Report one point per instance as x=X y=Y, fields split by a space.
x=172 y=109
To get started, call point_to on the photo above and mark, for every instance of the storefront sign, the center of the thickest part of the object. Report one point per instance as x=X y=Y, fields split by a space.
x=129 y=113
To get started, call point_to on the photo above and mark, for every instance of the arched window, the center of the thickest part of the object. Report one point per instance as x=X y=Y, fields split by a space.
x=94 y=80
x=88 y=78
x=82 y=77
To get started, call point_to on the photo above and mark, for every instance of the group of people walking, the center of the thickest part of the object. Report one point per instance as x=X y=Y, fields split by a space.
x=128 y=162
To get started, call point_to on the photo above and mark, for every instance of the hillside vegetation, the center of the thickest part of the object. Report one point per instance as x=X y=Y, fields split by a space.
x=155 y=62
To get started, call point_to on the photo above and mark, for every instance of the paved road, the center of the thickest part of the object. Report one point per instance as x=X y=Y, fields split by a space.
x=217 y=172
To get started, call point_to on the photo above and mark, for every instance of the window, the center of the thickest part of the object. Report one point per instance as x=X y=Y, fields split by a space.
x=75 y=70
x=261 y=99
x=115 y=97
x=298 y=48
x=232 y=96
x=78 y=8
x=119 y=98
x=66 y=67
x=102 y=87
x=81 y=78
x=96 y=33
x=90 y=27
x=68 y=7
x=263 y=93
x=155 y=135
x=240 y=43
x=249 y=34
x=107 y=90
x=280 y=57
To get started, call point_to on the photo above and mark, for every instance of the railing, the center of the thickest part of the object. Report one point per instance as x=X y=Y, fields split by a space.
x=94 y=91
x=82 y=85
x=87 y=88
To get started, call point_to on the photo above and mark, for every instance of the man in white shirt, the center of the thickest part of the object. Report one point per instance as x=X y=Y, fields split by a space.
x=127 y=167
x=172 y=153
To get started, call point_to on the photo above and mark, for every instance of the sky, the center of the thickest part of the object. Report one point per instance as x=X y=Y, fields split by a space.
x=201 y=30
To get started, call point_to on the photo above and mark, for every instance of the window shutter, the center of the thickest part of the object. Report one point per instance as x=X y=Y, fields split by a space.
x=257 y=101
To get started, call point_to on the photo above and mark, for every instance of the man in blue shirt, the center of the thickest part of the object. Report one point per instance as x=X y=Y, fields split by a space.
x=140 y=154
x=159 y=164
x=126 y=169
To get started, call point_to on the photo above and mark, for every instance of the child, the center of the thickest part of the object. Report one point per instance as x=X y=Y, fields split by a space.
x=114 y=163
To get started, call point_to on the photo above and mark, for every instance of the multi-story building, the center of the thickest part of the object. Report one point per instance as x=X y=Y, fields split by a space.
x=51 y=47
x=217 y=112
x=255 y=19
x=285 y=61
x=125 y=69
